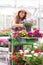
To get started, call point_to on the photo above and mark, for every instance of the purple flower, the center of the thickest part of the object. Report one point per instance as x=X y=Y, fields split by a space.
x=31 y=20
x=24 y=21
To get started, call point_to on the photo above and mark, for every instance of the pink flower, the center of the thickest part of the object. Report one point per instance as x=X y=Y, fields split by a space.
x=40 y=34
x=36 y=31
x=16 y=35
x=30 y=34
x=3 y=41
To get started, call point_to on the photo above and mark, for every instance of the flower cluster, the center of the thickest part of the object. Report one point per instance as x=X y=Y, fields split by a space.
x=38 y=51
x=23 y=34
x=16 y=35
x=30 y=22
x=36 y=33
x=17 y=57
x=4 y=43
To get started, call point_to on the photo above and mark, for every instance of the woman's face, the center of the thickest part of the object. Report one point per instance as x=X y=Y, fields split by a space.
x=21 y=14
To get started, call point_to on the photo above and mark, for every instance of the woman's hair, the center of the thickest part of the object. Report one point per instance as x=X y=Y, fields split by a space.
x=18 y=17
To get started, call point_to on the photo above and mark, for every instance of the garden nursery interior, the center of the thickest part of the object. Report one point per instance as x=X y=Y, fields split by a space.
x=21 y=32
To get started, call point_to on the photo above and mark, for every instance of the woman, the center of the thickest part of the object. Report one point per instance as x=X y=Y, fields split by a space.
x=18 y=25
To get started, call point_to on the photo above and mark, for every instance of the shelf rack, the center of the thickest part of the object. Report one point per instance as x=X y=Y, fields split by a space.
x=29 y=41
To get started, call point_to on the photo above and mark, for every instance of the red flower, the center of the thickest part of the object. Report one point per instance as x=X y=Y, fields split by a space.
x=15 y=59
x=16 y=35
x=14 y=53
x=36 y=51
x=21 y=55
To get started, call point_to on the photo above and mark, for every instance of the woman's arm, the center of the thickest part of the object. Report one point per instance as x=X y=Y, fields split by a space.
x=14 y=24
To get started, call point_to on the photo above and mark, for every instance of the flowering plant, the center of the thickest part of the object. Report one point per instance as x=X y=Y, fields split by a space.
x=5 y=32
x=28 y=35
x=23 y=34
x=28 y=22
x=17 y=57
x=4 y=43
x=29 y=59
x=16 y=35
x=36 y=33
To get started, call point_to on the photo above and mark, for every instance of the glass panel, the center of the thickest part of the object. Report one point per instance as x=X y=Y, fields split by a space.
x=27 y=3
x=7 y=2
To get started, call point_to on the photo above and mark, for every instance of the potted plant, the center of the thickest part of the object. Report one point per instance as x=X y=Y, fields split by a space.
x=28 y=24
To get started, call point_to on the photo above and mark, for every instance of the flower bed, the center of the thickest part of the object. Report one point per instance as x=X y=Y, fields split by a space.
x=28 y=59
x=18 y=58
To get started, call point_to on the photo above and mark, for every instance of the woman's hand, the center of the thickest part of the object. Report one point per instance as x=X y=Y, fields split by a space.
x=17 y=25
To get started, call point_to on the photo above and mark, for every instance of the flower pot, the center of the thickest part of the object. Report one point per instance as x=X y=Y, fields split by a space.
x=28 y=28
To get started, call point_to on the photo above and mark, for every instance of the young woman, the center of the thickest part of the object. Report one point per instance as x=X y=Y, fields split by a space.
x=18 y=25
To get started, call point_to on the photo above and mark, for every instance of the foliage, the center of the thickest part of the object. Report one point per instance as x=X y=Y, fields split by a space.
x=28 y=24
x=34 y=60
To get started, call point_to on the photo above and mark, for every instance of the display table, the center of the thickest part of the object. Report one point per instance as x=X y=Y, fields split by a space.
x=4 y=51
